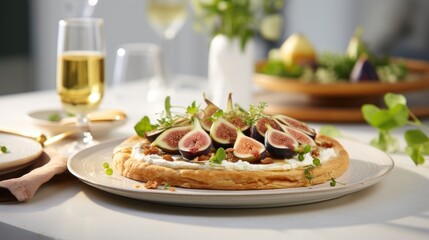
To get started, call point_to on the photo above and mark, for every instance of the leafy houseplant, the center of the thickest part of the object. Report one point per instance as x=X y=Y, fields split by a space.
x=232 y=25
x=239 y=18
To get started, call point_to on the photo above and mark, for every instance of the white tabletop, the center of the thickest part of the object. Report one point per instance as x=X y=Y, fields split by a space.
x=65 y=208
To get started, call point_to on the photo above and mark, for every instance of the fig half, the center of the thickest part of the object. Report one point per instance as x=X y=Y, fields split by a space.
x=258 y=130
x=294 y=123
x=299 y=136
x=152 y=135
x=195 y=143
x=168 y=141
x=248 y=149
x=223 y=133
x=280 y=144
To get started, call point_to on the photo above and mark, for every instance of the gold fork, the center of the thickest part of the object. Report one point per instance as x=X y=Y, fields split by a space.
x=40 y=137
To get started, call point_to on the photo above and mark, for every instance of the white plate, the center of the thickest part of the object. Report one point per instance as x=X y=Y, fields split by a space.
x=367 y=167
x=40 y=119
x=21 y=152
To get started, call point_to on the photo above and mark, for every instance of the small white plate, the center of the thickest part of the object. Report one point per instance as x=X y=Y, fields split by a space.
x=21 y=151
x=40 y=119
x=367 y=167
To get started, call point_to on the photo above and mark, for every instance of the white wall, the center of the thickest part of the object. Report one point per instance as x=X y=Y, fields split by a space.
x=329 y=24
x=124 y=23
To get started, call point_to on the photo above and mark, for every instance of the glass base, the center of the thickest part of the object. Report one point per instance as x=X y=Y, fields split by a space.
x=72 y=148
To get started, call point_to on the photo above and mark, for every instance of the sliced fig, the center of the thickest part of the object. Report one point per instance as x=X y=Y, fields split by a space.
x=301 y=137
x=239 y=123
x=280 y=144
x=223 y=133
x=363 y=70
x=248 y=149
x=294 y=123
x=168 y=141
x=258 y=130
x=152 y=135
x=195 y=143
x=210 y=109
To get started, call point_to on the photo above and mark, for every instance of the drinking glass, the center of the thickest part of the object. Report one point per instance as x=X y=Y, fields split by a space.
x=167 y=18
x=80 y=71
x=138 y=67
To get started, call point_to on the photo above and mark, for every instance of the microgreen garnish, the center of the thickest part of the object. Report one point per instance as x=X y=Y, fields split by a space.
x=308 y=174
x=167 y=106
x=107 y=169
x=333 y=182
x=219 y=156
x=316 y=162
x=397 y=115
x=302 y=150
x=192 y=109
x=254 y=113
x=219 y=113
x=3 y=149
x=166 y=186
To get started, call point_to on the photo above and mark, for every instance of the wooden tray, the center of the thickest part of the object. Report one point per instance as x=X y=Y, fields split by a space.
x=306 y=108
x=340 y=102
x=418 y=78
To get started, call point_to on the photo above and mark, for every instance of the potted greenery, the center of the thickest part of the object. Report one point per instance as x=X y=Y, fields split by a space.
x=232 y=25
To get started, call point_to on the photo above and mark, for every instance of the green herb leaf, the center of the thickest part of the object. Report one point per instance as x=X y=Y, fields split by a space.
x=415 y=137
x=192 y=109
x=167 y=186
x=219 y=156
x=418 y=145
x=392 y=99
x=144 y=126
x=385 y=119
x=415 y=153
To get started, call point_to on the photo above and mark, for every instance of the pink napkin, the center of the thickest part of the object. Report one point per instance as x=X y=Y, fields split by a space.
x=45 y=167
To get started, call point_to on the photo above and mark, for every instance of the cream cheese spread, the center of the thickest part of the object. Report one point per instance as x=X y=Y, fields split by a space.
x=178 y=162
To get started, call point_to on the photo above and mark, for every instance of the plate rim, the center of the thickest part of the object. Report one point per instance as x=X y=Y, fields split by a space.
x=24 y=161
x=341 y=190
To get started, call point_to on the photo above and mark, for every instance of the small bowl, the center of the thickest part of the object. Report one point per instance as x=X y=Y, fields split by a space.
x=44 y=121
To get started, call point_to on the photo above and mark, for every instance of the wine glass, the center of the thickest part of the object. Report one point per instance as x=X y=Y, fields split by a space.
x=138 y=63
x=80 y=71
x=167 y=18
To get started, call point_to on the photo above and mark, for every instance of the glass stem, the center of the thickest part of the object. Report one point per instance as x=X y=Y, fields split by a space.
x=83 y=124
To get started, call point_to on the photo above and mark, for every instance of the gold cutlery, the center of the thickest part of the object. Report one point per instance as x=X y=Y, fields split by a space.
x=40 y=137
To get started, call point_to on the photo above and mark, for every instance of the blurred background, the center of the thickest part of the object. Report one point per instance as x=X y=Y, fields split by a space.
x=28 y=33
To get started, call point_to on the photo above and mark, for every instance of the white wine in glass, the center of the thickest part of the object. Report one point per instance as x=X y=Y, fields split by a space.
x=167 y=16
x=80 y=71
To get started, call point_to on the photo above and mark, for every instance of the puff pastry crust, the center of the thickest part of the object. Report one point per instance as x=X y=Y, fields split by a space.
x=226 y=179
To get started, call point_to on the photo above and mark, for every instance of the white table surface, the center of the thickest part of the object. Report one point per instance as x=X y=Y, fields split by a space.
x=65 y=208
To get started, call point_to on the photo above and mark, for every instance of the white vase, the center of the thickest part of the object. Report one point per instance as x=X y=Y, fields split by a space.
x=230 y=69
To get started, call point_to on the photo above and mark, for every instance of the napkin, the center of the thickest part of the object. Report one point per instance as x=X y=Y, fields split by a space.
x=23 y=188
